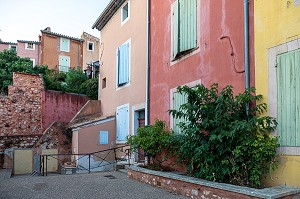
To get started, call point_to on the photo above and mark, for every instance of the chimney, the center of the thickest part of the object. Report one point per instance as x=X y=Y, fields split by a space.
x=48 y=29
x=40 y=38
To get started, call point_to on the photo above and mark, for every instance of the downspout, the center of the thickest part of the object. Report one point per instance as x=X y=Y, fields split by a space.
x=79 y=54
x=246 y=43
x=39 y=50
x=148 y=48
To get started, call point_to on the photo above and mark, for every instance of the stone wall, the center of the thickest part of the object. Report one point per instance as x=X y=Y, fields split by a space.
x=20 y=111
x=203 y=189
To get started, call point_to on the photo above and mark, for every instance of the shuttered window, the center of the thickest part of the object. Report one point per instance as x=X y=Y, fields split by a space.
x=64 y=63
x=184 y=26
x=103 y=137
x=122 y=123
x=288 y=91
x=123 y=64
x=64 y=44
x=178 y=100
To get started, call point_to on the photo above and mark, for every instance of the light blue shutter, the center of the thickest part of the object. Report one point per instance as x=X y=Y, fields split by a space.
x=65 y=44
x=123 y=64
x=122 y=124
x=178 y=100
x=187 y=24
x=288 y=103
x=103 y=137
x=64 y=63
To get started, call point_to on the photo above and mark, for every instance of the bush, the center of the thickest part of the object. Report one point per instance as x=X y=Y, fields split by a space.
x=153 y=139
x=90 y=88
x=223 y=140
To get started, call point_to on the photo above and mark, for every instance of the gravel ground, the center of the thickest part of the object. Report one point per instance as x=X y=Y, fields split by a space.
x=94 y=185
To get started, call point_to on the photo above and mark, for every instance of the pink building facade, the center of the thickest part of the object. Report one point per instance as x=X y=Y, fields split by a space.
x=31 y=50
x=209 y=50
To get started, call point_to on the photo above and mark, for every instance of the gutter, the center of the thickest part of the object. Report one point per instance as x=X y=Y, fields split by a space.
x=246 y=43
x=148 y=48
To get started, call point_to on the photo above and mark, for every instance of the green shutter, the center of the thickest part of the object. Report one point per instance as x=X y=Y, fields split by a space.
x=175 y=29
x=178 y=100
x=188 y=24
x=288 y=89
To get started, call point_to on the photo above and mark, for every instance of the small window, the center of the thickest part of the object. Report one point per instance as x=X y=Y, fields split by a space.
x=90 y=46
x=64 y=44
x=103 y=137
x=29 y=46
x=125 y=13
x=64 y=63
x=104 y=82
x=13 y=48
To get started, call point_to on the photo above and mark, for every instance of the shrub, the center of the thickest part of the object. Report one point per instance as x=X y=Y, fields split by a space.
x=223 y=140
x=90 y=88
x=153 y=139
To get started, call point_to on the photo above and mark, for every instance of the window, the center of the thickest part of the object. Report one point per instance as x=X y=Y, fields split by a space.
x=178 y=100
x=288 y=104
x=64 y=44
x=104 y=82
x=13 y=47
x=90 y=46
x=64 y=63
x=184 y=33
x=33 y=62
x=122 y=123
x=123 y=65
x=103 y=137
x=125 y=13
x=29 y=46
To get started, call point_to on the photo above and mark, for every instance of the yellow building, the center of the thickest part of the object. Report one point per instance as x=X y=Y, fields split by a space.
x=277 y=78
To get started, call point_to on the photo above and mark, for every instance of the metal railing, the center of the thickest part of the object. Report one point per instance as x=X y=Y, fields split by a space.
x=81 y=163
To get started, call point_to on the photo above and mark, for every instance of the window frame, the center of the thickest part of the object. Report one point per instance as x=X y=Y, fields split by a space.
x=27 y=46
x=33 y=62
x=105 y=142
x=60 y=44
x=186 y=53
x=123 y=21
x=118 y=86
x=88 y=46
x=59 y=68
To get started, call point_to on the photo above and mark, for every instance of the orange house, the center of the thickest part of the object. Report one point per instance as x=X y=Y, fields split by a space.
x=60 y=52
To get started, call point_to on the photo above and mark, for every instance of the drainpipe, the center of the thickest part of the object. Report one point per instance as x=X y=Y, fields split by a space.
x=79 y=54
x=147 y=119
x=246 y=43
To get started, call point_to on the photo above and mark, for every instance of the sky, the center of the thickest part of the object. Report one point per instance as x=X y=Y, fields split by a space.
x=23 y=19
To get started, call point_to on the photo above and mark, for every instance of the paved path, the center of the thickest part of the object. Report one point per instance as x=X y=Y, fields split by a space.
x=81 y=186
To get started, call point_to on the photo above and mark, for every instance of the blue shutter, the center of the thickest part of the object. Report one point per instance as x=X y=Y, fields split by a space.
x=103 y=137
x=288 y=102
x=64 y=44
x=64 y=63
x=123 y=64
x=122 y=124
x=175 y=29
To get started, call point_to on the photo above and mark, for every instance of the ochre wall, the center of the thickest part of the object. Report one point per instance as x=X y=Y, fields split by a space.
x=220 y=30
x=50 y=52
x=114 y=35
x=276 y=23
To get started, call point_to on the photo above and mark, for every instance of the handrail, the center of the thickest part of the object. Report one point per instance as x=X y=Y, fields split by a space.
x=44 y=158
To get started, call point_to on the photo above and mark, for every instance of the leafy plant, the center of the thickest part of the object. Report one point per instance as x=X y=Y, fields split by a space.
x=153 y=139
x=90 y=88
x=224 y=141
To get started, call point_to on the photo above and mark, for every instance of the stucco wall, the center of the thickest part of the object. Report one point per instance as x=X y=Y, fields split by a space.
x=114 y=35
x=25 y=53
x=89 y=56
x=276 y=24
x=220 y=51
x=88 y=137
x=58 y=106
x=3 y=47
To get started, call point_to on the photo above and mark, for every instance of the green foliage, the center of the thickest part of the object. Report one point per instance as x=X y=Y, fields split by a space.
x=9 y=63
x=222 y=141
x=73 y=81
x=90 y=88
x=153 y=138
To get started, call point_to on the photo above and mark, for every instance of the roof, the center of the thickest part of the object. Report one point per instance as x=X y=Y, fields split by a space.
x=11 y=43
x=61 y=35
x=85 y=34
x=107 y=14
x=25 y=41
x=91 y=121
